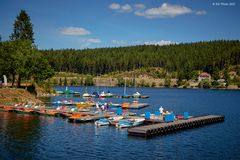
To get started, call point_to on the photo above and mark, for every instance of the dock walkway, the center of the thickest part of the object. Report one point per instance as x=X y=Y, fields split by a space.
x=163 y=128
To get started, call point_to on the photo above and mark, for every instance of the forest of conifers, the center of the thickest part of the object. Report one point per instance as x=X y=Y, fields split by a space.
x=181 y=58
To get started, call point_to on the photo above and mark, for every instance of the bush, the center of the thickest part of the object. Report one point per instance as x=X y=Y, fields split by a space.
x=215 y=84
x=142 y=83
x=146 y=85
x=167 y=82
x=153 y=84
x=204 y=84
x=73 y=82
x=65 y=81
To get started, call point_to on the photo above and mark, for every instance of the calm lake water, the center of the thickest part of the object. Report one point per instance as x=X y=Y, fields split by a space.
x=24 y=137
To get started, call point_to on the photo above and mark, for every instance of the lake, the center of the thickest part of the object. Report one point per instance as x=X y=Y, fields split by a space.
x=26 y=137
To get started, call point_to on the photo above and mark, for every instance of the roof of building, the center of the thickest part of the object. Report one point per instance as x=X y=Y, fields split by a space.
x=204 y=74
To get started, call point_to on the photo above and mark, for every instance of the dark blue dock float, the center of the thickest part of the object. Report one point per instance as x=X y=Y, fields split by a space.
x=164 y=128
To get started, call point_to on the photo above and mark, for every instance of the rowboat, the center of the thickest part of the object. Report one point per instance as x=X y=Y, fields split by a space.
x=102 y=95
x=24 y=111
x=136 y=95
x=102 y=122
x=114 y=120
x=125 y=123
x=67 y=91
x=76 y=115
x=83 y=105
x=45 y=112
x=6 y=109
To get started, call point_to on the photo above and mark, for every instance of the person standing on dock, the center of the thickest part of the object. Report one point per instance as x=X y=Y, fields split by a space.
x=97 y=107
x=161 y=110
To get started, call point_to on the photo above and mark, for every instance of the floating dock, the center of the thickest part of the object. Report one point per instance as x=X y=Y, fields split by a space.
x=163 y=128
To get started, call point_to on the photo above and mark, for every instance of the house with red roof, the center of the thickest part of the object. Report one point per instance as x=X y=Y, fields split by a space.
x=204 y=76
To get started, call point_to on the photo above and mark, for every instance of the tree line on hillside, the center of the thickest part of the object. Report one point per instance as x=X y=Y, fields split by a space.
x=184 y=59
x=20 y=58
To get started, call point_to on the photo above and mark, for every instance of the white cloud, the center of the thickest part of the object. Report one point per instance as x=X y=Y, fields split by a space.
x=165 y=10
x=126 y=8
x=139 y=6
x=119 y=42
x=74 y=31
x=121 y=8
x=114 y=6
x=160 y=43
x=91 y=40
x=201 y=12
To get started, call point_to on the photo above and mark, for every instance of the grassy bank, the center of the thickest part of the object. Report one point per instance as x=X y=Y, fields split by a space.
x=11 y=96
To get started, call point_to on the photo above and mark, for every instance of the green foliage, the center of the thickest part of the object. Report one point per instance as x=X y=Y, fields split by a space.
x=235 y=81
x=60 y=81
x=73 y=82
x=182 y=59
x=65 y=81
x=89 y=81
x=22 y=59
x=153 y=84
x=215 y=84
x=120 y=82
x=54 y=82
x=226 y=75
x=134 y=82
x=160 y=84
x=204 y=84
x=81 y=82
x=31 y=89
x=142 y=83
x=146 y=85
x=167 y=82
x=22 y=28
x=238 y=70
x=215 y=74
x=182 y=83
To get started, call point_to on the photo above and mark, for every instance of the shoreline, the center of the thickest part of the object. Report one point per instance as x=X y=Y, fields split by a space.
x=152 y=87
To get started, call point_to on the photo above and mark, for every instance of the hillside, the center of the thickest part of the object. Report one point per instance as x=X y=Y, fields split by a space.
x=183 y=59
x=13 y=95
x=150 y=77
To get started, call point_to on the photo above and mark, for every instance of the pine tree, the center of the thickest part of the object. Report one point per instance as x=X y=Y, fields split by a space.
x=22 y=27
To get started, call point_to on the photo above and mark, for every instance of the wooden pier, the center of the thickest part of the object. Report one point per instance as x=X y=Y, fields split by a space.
x=163 y=128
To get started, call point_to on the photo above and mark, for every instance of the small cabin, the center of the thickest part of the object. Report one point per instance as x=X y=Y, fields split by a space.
x=204 y=76
x=221 y=80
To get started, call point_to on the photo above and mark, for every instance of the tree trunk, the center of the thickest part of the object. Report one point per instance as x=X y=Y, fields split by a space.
x=13 y=79
x=19 y=81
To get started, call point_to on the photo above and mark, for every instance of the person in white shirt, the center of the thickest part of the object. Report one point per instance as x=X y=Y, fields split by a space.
x=161 y=110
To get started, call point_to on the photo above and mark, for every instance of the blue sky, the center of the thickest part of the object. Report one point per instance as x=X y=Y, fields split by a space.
x=108 y=23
